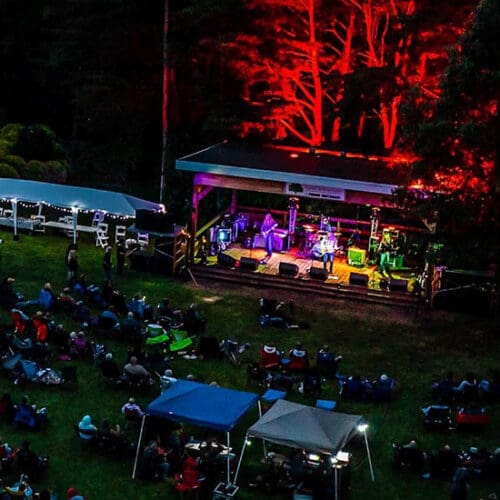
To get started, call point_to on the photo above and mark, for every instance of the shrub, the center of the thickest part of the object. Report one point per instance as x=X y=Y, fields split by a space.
x=8 y=171
x=17 y=162
x=34 y=171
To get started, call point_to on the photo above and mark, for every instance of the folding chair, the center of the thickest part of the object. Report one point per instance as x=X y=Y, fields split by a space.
x=143 y=240
x=120 y=233
x=40 y=228
x=101 y=238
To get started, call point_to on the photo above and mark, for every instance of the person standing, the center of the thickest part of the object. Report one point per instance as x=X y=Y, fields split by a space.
x=267 y=232
x=120 y=258
x=107 y=263
x=72 y=267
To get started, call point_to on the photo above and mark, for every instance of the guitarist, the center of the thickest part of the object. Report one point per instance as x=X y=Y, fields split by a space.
x=328 y=246
x=267 y=232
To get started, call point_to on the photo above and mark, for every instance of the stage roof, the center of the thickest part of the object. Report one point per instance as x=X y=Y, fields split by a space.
x=304 y=166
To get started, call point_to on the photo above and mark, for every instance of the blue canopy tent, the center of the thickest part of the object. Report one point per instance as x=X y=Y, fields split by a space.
x=201 y=405
x=75 y=198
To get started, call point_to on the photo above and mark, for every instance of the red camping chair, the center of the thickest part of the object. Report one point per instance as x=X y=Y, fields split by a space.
x=269 y=358
x=189 y=481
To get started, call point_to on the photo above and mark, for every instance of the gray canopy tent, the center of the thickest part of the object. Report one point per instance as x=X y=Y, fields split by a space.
x=71 y=197
x=305 y=427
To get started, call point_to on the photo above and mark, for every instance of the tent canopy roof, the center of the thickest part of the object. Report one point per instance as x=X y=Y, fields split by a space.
x=73 y=196
x=202 y=405
x=312 y=429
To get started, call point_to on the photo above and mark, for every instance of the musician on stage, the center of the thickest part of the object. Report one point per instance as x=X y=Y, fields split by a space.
x=267 y=231
x=384 y=250
x=328 y=246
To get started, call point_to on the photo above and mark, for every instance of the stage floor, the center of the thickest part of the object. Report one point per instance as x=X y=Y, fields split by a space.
x=341 y=269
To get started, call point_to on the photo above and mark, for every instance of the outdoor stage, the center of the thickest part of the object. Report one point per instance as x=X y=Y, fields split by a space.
x=347 y=281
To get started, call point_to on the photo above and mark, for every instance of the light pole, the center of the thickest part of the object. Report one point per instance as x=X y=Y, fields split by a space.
x=164 y=108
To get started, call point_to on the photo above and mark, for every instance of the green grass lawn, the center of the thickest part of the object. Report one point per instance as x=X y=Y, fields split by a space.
x=372 y=340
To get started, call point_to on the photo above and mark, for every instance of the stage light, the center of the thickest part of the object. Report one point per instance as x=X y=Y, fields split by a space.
x=313 y=457
x=362 y=427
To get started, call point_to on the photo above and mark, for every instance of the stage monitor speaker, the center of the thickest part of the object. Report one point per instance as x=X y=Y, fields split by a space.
x=225 y=260
x=398 y=285
x=318 y=273
x=247 y=264
x=287 y=269
x=358 y=279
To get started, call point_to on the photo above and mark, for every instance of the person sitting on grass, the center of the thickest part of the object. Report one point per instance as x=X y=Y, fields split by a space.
x=109 y=367
x=87 y=430
x=136 y=373
x=130 y=326
x=132 y=411
x=154 y=463
x=72 y=494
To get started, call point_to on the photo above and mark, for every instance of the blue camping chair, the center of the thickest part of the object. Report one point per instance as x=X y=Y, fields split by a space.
x=25 y=415
x=30 y=369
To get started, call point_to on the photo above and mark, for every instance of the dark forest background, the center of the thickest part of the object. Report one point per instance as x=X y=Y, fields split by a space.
x=81 y=89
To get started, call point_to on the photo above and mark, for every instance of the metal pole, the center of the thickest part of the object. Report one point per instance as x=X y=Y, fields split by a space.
x=164 y=108
x=14 y=216
x=240 y=459
x=227 y=459
x=75 y=223
x=369 y=456
x=138 y=447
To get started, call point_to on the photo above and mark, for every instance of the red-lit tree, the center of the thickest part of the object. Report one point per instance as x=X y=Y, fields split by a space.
x=282 y=64
x=312 y=69
x=457 y=141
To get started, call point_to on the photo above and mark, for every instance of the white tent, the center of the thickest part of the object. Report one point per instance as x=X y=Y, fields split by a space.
x=305 y=427
x=73 y=197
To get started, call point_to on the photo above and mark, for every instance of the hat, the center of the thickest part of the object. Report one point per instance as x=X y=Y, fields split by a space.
x=130 y=315
x=10 y=279
x=131 y=400
x=473 y=449
x=109 y=355
x=72 y=492
x=384 y=377
x=73 y=335
x=169 y=372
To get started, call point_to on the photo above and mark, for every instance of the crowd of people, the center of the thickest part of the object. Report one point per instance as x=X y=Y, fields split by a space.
x=35 y=334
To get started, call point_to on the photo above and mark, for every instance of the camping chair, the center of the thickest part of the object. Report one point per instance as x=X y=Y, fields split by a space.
x=437 y=417
x=25 y=415
x=120 y=233
x=40 y=228
x=189 y=481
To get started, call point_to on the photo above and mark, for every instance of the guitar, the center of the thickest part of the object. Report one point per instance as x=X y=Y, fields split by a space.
x=264 y=234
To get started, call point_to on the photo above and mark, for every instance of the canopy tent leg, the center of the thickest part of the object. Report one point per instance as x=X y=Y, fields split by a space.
x=369 y=456
x=74 y=210
x=228 y=440
x=13 y=202
x=138 y=446
x=240 y=459
x=260 y=416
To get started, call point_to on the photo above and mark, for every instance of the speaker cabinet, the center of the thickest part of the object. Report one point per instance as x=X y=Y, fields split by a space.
x=247 y=264
x=148 y=220
x=398 y=285
x=287 y=269
x=141 y=261
x=223 y=259
x=358 y=279
x=318 y=273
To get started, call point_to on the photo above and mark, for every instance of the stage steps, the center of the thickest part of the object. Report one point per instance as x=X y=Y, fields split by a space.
x=338 y=291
